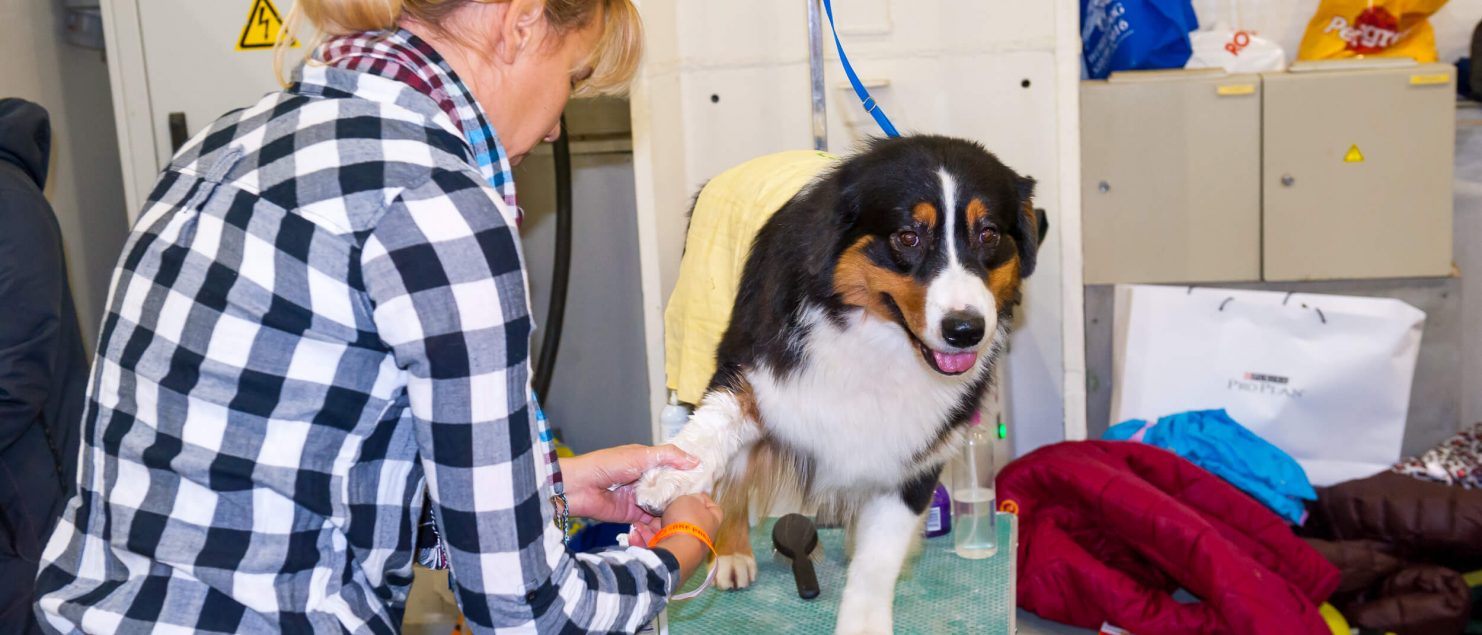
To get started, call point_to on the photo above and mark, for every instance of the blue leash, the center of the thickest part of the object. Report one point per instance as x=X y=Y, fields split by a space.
x=870 y=105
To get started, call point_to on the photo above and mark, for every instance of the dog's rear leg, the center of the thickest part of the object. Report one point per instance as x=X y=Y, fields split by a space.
x=736 y=565
x=884 y=533
x=724 y=425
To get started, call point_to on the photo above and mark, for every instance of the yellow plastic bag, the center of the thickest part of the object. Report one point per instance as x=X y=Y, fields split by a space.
x=1344 y=29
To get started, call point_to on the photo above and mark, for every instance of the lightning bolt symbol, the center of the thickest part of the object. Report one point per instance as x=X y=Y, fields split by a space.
x=262 y=18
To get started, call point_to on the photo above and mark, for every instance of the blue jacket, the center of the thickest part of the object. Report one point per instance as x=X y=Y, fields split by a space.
x=43 y=371
x=1214 y=441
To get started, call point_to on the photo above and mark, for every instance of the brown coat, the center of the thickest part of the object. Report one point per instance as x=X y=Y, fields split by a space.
x=1401 y=544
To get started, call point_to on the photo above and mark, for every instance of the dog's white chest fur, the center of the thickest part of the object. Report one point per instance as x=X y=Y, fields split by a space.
x=863 y=402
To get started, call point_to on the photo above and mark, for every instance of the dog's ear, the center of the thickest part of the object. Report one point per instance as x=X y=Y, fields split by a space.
x=1030 y=228
x=848 y=196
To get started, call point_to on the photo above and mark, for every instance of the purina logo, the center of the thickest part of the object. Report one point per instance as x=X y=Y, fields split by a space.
x=1275 y=379
x=1262 y=383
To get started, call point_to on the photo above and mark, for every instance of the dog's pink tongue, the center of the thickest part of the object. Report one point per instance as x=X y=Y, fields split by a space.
x=955 y=362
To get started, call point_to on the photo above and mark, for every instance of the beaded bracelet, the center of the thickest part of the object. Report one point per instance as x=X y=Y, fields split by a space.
x=562 y=517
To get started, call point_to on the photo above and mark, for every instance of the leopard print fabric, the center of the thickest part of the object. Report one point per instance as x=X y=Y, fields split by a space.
x=1456 y=461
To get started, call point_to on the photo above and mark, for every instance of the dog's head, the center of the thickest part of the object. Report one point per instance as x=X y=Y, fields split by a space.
x=937 y=235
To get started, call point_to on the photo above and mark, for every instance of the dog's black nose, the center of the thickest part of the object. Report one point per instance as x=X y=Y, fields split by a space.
x=962 y=329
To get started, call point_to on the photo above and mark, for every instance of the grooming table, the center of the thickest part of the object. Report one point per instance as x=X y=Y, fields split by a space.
x=938 y=592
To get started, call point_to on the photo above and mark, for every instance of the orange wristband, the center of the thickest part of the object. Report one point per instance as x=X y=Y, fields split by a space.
x=682 y=528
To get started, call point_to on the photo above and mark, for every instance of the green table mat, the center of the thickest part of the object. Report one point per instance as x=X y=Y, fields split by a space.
x=938 y=592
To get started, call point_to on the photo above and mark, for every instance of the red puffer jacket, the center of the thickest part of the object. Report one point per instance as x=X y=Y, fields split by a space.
x=1108 y=530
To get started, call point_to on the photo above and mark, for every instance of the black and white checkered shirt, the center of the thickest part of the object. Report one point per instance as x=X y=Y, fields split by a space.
x=321 y=314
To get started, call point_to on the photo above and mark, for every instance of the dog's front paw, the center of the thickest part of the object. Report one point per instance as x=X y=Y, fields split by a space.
x=863 y=629
x=735 y=571
x=857 y=619
x=657 y=488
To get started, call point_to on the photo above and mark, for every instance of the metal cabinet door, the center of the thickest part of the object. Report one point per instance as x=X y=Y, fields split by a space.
x=197 y=70
x=1171 y=178
x=1358 y=167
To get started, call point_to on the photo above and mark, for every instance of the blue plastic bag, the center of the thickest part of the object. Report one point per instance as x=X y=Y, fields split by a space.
x=1125 y=35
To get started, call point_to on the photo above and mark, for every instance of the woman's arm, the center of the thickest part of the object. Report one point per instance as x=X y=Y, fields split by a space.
x=443 y=272
x=697 y=510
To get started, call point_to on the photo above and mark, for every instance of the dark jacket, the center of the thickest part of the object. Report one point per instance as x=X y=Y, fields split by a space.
x=1402 y=545
x=43 y=371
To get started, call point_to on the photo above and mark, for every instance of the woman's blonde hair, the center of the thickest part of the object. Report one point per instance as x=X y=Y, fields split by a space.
x=614 y=61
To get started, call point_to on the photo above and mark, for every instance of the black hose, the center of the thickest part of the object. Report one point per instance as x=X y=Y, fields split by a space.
x=555 y=313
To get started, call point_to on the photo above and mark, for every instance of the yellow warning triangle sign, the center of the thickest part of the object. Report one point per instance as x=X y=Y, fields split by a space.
x=1354 y=155
x=263 y=24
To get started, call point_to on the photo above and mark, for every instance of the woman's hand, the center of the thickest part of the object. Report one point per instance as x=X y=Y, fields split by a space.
x=599 y=485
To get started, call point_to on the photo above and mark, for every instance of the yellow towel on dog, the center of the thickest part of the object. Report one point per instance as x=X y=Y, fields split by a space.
x=729 y=212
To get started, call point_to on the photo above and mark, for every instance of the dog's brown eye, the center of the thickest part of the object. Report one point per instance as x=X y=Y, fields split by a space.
x=908 y=239
x=988 y=236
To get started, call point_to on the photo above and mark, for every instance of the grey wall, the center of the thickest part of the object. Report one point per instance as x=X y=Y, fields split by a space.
x=1468 y=250
x=85 y=187
x=599 y=393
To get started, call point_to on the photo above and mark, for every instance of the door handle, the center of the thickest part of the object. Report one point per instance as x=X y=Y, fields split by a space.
x=178 y=131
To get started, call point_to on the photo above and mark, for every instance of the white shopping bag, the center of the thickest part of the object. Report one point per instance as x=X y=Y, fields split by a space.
x=1235 y=51
x=1325 y=378
x=1232 y=44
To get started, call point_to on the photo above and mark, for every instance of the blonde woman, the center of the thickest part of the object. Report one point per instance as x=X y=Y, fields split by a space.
x=321 y=315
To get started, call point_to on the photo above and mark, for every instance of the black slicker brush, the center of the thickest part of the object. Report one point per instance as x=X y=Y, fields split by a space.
x=795 y=537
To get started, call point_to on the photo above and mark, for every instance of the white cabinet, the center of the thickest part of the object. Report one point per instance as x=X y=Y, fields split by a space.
x=176 y=67
x=179 y=60
x=1358 y=168
x=1171 y=178
x=1335 y=172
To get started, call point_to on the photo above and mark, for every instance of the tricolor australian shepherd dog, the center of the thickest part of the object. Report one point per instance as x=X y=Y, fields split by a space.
x=870 y=313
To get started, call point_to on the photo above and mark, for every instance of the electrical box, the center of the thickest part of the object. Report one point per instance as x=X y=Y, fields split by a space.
x=1358 y=172
x=1333 y=170
x=1171 y=177
x=176 y=66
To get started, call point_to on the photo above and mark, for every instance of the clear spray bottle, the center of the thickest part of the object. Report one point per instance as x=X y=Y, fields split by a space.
x=974 y=522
